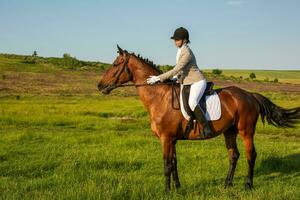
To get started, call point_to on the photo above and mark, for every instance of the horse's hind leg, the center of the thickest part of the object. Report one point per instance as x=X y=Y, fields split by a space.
x=233 y=153
x=250 y=154
x=174 y=168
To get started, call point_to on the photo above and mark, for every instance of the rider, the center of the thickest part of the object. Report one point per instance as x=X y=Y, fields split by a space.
x=190 y=74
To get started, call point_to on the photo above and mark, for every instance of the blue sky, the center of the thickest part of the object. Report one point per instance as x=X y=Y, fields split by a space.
x=249 y=34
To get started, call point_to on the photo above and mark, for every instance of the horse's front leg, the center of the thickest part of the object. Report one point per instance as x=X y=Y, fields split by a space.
x=168 y=155
x=174 y=167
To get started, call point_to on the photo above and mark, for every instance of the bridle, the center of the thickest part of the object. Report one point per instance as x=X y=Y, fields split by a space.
x=130 y=76
x=118 y=73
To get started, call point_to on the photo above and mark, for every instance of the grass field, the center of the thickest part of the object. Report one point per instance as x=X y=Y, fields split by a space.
x=61 y=139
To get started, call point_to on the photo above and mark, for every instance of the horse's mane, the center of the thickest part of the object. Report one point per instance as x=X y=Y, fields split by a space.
x=149 y=62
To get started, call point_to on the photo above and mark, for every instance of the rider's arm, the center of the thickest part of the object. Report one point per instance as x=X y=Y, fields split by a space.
x=182 y=62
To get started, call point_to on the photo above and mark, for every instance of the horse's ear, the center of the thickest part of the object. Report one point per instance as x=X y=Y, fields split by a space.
x=120 y=51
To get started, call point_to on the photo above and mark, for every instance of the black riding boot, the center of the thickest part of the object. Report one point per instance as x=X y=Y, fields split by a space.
x=200 y=117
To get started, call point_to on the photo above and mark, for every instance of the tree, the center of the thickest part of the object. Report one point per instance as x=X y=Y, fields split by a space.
x=252 y=76
x=66 y=55
x=34 y=54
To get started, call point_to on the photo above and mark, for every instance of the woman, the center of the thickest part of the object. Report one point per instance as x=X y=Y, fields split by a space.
x=190 y=77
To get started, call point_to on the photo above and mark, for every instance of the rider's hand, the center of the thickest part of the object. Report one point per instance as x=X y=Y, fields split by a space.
x=153 y=79
x=174 y=78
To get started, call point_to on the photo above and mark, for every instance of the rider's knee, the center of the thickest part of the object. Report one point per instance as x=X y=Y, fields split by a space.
x=193 y=103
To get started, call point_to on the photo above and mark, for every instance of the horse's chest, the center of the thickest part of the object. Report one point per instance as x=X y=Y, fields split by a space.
x=163 y=127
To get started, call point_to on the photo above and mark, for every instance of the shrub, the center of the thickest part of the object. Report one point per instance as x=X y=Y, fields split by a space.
x=67 y=55
x=165 y=68
x=217 y=71
x=252 y=76
x=276 y=80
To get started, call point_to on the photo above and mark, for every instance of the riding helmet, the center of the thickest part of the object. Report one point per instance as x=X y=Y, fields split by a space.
x=181 y=33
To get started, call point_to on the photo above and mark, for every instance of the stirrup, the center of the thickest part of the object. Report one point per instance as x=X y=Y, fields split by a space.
x=205 y=134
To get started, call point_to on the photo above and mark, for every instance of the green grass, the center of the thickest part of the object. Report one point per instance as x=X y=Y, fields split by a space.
x=284 y=76
x=101 y=147
x=15 y=64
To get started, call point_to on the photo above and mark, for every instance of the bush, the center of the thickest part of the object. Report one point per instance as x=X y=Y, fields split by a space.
x=34 y=54
x=217 y=71
x=276 y=80
x=67 y=56
x=165 y=68
x=252 y=76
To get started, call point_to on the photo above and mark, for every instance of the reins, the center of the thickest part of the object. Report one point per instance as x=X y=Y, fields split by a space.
x=130 y=76
x=172 y=83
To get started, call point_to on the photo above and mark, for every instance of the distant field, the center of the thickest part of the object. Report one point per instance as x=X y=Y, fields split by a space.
x=61 y=139
x=282 y=75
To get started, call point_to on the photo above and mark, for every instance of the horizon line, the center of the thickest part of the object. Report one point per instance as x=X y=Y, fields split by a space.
x=287 y=68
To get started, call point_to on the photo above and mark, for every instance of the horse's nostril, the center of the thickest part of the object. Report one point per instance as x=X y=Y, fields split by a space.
x=99 y=86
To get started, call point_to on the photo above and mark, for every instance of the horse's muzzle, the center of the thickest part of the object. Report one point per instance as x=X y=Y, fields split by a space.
x=105 y=89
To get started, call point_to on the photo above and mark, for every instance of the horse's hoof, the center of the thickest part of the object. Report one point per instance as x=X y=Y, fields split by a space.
x=177 y=185
x=167 y=190
x=248 y=186
x=228 y=185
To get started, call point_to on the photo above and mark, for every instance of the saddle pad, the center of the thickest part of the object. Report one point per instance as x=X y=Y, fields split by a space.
x=213 y=107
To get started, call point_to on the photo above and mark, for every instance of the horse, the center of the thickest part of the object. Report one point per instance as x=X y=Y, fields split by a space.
x=240 y=110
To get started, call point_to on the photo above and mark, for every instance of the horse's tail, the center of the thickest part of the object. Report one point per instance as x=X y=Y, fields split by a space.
x=276 y=115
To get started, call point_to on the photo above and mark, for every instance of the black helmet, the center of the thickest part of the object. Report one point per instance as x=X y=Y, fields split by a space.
x=181 y=33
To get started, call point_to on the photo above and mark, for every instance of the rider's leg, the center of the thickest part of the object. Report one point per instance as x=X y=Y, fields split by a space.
x=196 y=92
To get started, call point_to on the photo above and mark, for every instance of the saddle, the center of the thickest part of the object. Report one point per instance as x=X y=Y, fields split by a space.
x=185 y=97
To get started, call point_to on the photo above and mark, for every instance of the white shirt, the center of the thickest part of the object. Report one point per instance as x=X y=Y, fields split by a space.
x=179 y=51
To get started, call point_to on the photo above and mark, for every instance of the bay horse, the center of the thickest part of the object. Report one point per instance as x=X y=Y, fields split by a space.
x=239 y=113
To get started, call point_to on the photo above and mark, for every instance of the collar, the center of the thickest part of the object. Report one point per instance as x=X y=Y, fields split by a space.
x=184 y=45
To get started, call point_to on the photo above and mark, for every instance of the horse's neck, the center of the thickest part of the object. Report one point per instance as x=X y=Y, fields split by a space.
x=150 y=95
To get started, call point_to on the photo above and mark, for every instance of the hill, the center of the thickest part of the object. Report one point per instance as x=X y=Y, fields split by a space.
x=13 y=62
x=25 y=74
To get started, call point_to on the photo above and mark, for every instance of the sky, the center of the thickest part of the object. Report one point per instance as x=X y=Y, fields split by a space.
x=237 y=34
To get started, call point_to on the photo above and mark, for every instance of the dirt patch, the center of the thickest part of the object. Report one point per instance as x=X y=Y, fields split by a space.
x=85 y=83
x=57 y=83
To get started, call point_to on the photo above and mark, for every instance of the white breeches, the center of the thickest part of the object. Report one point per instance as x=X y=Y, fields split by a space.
x=196 y=91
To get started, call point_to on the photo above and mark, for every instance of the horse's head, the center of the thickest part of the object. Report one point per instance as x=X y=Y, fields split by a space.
x=117 y=74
